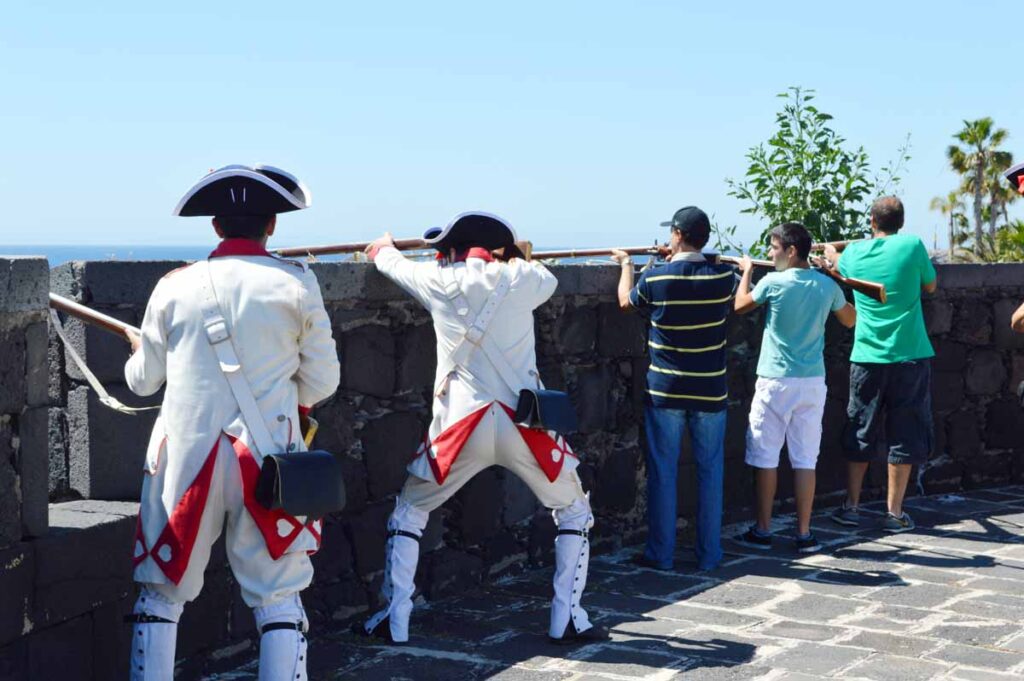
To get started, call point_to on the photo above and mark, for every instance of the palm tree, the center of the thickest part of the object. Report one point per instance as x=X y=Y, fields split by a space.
x=980 y=140
x=953 y=206
x=1000 y=193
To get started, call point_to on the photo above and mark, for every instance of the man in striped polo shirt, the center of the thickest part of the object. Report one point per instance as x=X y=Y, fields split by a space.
x=688 y=301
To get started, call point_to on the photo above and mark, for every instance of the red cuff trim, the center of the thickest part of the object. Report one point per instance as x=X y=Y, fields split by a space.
x=304 y=411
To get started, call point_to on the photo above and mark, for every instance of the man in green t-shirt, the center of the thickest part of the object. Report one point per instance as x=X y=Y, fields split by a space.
x=890 y=368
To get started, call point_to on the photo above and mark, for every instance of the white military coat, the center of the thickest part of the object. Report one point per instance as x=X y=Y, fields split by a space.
x=462 y=397
x=283 y=338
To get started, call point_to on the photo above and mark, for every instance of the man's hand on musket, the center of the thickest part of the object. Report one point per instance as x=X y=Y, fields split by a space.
x=621 y=257
x=746 y=264
x=830 y=257
x=379 y=243
x=133 y=339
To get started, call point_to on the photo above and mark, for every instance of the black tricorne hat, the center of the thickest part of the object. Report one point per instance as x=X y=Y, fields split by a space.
x=474 y=228
x=1016 y=176
x=244 y=190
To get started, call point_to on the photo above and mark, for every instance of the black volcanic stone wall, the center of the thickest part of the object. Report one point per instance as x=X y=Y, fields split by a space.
x=493 y=526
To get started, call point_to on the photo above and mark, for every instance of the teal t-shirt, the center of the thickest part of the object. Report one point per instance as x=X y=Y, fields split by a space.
x=893 y=331
x=797 y=304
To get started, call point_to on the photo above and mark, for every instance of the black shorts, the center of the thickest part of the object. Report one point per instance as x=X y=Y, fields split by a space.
x=890 y=406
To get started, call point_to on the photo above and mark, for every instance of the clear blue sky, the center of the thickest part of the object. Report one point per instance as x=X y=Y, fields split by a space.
x=581 y=122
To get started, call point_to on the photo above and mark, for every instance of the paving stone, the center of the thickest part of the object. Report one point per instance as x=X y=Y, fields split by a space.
x=817 y=608
x=719 y=646
x=654 y=584
x=905 y=646
x=890 y=668
x=917 y=595
x=801 y=630
x=520 y=674
x=706 y=616
x=992 y=606
x=971 y=631
x=1003 y=586
x=966 y=674
x=614 y=659
x=947 y=577
x=815 y=658
x=702 y=671
x=411 y=665
x=734 y=597
x=974 y=656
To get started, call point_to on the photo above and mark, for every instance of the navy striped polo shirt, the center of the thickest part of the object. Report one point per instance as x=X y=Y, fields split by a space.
x=688 y=301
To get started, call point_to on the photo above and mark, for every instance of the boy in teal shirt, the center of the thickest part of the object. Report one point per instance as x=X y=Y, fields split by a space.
x=789 y=398
x=890 y=368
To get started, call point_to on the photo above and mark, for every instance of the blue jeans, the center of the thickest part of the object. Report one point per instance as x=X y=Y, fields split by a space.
x=665 y=430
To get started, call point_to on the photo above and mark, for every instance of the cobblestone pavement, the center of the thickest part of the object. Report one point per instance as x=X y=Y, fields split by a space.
x=945 y=601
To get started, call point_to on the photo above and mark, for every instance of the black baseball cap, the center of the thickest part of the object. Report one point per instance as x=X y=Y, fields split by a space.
x=687 y=218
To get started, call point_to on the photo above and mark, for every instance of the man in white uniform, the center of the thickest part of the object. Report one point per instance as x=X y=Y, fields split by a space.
x=483 y=319
x=202 y=463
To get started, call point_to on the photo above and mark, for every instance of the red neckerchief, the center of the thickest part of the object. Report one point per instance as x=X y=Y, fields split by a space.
x=475 y=252
x=238 y=247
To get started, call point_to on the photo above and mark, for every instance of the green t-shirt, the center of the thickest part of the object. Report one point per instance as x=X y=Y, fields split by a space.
x=798 y=302
x=892 y=331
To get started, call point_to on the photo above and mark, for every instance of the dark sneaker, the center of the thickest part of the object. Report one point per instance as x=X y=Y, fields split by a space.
x=808 y=544
x=897 y=524
x=845 y=515
x=595 y=634
x=641 y=560
x=751 y=539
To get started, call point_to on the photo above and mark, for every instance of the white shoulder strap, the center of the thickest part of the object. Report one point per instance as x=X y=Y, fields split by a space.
x=475 y=334
x=219 y=335
x=105 y=398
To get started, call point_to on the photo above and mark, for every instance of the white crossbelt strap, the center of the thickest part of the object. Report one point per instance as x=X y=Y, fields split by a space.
x=475 y=335
x=219 y=335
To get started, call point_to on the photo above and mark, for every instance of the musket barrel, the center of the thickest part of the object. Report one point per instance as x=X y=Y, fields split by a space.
x=838 y=245
x=90 y=316
x=593 y=252
x=340 y=249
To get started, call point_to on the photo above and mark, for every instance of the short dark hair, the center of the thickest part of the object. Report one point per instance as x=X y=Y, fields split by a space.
x=887 y=214
x=695 y=235
x=692 y=224
x=243 y=226
x=793 y=234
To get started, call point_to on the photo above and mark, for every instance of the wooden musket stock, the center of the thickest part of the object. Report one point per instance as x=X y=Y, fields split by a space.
x=90 y=316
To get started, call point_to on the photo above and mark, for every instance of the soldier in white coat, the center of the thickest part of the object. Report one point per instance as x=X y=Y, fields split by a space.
x=202 y=464
x=482 y=310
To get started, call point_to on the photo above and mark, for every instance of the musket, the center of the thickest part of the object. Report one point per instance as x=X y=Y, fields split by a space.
x=838 y=245
x=91 y=316
x=869 y=288
x=339 y=249
x=307 y=424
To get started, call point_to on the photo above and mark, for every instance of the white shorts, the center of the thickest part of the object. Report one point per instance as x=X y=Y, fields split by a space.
x=786 y=410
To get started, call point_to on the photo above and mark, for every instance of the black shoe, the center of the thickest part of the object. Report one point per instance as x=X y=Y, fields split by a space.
x=382 y=631
x=641 y=560
x=571 y=637
x=751 y=539
x=808 y=544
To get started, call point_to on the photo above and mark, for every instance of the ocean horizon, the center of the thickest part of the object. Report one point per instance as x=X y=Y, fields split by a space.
x=58 y=254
